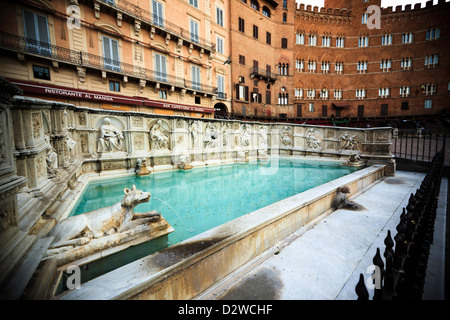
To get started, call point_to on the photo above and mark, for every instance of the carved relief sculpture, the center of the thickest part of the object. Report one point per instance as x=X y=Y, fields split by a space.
x=51 y=158
x=262 y=136
x=111 y=138
x=349 y=142
x=245 y=136
x=209 y=141
x=311 y=140
x=159 y=136
x=286 y=136
x=193 y=128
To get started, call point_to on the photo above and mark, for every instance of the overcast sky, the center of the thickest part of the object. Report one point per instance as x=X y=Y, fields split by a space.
x=384 y=3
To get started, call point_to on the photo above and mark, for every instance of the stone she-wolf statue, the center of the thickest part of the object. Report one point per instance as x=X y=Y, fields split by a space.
x=83 y=228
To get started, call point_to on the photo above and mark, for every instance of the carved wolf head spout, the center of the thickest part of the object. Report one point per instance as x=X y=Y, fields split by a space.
x=134 y=197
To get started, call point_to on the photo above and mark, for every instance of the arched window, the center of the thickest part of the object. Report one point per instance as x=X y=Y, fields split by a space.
x=284 y=17
x=266 y=11
x=254 y=4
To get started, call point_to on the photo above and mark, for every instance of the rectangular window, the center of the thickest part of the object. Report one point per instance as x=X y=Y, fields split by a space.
x=219 y=45
x=241 y=59
x=194 y=31
x=163 y=94
x=36 y=33
x=405 y=105
x=428 y=104
x=284 y=43
x=193 y=3
x=299 y=38
x=268 y=97
x=339 y=42
x=114 y=86
x=196 y=83
x=241 y=25
x=268 y=38
x=158 y=16
x=219 y=16
x=111 y=54
x=360 y=111
x=384 y=110
x=160 y=68
x=220 y=86
x=363 y=42
x=255 y=32
x=311 y=107
x=41 y=73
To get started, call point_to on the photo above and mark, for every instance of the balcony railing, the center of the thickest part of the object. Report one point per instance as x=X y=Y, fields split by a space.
x=264 y=74
x=78 y=58
x=158 y=22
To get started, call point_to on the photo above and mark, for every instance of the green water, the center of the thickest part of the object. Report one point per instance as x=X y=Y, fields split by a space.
x=202 y=198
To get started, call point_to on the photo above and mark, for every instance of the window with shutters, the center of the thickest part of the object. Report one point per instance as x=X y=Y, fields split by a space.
x=160 y=68
x=194 y=31
x=36 y=33
x=219 y=16
x=196 y=83
x=158 y=14
x=219 y=45
x=220 y=87
x=111 y=54
x=242 y=92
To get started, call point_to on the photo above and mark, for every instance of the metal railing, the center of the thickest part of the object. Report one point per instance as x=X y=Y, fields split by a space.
x=157 y=22
x=417 y=144
x=402 y=274
x=264 y=73
x=20 y=44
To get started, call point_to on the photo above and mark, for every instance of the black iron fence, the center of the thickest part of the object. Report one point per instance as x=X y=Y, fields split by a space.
x=402 y=275
x=417 y=144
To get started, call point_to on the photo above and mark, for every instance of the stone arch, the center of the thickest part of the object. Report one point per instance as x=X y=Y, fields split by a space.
x=159 y=46
x=108 y=27
x=220 y=110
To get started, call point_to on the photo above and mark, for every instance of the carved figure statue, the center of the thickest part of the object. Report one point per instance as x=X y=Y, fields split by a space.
x=159 y=137
x=245 y=136
x=340 y=200
x=51 y=158
x=262 y=134
x=193 y=128
x=141 y=167
x=185 y=162
x=311 y=140
x=209 y=141
x=349 y=142
x=81 y=229
x=111 y=138
x=286 y=137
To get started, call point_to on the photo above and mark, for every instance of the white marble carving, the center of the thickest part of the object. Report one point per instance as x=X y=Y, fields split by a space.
x=81 y=229
x=111 y=138
x=159 y=136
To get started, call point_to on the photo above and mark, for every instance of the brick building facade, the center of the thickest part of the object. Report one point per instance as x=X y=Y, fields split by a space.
x=346 y=69
x=255 y=59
